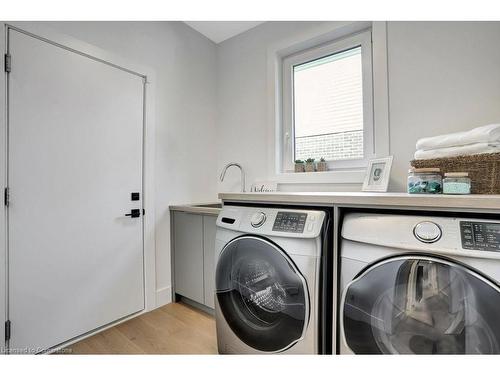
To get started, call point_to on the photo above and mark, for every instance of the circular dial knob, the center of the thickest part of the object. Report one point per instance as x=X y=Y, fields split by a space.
x=427 y=231
x=258 y=219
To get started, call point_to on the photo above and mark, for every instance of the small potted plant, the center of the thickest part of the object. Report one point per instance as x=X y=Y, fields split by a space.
x=310 y=165
x=322 y=165
x=299 y=165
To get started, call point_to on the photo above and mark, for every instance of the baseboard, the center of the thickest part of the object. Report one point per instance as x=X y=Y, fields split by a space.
x=198 y=305
x=74 y=340
x=163 y=296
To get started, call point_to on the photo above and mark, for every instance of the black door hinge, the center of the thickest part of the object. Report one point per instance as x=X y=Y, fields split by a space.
x=6 y=197
x=7 y=330
x=7 y=63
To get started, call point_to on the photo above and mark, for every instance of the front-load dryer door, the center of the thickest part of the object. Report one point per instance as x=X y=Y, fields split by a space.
x=261 y=293
x=421 y=305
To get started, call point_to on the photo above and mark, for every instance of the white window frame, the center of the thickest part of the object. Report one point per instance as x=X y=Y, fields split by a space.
x=361 y=39
x=322 y=34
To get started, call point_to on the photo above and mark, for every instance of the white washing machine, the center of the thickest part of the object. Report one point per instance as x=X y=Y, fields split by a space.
x=423 y=285
x=267 y=280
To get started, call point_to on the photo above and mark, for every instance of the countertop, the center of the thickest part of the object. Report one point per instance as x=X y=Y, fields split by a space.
x=479 y=203
x=198 y=208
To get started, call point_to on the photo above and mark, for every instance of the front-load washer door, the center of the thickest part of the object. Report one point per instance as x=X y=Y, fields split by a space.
x=421 y=305
x=261 y=293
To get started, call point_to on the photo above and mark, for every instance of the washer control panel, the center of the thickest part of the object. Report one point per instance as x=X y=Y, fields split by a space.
x=271 y=221
x=293 y=222
x=477 y=235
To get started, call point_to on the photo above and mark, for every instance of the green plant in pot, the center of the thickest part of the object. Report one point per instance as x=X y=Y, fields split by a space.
x=310 y=167
x=322 y=165
x=299 y=165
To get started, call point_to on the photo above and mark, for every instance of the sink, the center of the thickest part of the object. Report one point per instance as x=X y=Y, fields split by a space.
x=209 y=205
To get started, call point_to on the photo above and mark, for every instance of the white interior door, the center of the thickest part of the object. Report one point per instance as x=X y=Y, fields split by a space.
x=75 y=157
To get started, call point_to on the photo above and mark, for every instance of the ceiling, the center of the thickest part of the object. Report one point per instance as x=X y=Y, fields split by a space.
x=218 y=31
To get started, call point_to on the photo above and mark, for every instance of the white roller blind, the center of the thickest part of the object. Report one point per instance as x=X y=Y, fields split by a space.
x=328 y=95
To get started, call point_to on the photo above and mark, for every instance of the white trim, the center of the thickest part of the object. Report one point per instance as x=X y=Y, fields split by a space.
x=149 y=143
x=74 y=340
x=326 y=32
x=329 y=177
x=3 y=183
x=163 y=296
x=380 y=75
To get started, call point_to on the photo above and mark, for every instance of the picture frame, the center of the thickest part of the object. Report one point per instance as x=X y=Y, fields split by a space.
x=378 y=173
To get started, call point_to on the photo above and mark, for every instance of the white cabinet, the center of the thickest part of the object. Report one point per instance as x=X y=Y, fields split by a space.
x=188 y=256
x=194 y=256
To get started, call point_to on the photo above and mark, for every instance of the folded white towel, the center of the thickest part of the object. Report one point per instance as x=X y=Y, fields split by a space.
x=447 y=152
x=482 y=134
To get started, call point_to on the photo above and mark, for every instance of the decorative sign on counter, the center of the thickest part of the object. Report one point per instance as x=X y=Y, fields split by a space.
x=264 y=187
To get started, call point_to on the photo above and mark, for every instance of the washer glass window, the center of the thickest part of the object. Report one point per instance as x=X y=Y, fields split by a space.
x=421 y=305
x=261 y=294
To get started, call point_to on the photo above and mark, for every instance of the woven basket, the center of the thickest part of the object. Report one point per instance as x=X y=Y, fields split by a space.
x=484 y=170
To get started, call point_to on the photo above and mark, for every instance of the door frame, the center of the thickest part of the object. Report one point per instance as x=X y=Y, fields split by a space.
x=148 y=74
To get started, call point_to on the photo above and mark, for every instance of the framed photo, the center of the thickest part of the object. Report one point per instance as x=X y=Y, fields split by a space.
x=378 y=174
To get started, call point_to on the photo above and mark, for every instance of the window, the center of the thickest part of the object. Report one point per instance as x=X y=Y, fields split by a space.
x=327 y=104
x=328 y=107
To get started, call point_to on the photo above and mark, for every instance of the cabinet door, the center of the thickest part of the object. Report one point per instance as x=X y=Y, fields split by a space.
x=188 y=255
x=209 y=258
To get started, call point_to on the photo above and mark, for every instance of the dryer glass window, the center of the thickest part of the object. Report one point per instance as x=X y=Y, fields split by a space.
x=421 y=306
x=261 y=294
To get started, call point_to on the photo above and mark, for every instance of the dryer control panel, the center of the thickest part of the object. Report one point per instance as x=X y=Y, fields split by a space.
x=477 y=235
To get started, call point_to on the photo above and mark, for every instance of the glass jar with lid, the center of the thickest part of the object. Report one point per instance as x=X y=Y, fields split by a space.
x=456 y=183
x=425 y=181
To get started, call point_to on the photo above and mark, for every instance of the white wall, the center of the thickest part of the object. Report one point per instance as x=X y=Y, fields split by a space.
x=242 y=126
x=184 y=62
x=443 y=77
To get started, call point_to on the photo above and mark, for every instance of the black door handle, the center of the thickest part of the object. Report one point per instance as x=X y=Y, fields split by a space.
x=134 y=213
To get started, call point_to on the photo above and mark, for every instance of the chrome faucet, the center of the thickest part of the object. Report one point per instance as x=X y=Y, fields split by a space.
x=223 y=174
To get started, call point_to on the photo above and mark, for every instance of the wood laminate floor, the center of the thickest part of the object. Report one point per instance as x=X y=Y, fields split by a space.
x=176 y=328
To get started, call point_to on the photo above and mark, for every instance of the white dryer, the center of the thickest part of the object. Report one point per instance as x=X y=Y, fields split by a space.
x=423 y=285
x=267 y=280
